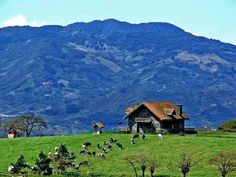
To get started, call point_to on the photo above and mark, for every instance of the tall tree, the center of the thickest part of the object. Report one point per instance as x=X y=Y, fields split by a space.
x=26 y=124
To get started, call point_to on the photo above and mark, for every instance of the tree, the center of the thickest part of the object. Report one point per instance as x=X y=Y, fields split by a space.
x=63 y=159
x=19 y=165
x=43 y=165
x=132 y=160
x=26 y=124
x=185 y=163
x=152 y=164
x=225 y=161
x=143 y=162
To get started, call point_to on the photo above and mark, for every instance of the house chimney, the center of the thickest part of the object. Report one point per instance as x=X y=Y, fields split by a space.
x=180 y=107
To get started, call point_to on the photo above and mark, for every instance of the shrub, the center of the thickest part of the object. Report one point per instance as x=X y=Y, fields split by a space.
x=229 y=126
x=181 y=133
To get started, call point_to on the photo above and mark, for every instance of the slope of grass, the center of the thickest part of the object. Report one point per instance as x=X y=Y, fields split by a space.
x=201 y=147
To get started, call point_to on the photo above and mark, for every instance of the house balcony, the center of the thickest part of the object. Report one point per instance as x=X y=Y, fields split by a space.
x=143 y=120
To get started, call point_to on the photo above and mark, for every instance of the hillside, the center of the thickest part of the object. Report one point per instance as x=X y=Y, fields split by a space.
x=76 y=74
x=201 y=147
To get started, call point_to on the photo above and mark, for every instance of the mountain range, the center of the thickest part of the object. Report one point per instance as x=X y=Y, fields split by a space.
x=84 y=72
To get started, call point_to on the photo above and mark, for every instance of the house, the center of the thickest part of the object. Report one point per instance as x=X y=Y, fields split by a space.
x=98 y=126
x=156 y=117
x=12 y=134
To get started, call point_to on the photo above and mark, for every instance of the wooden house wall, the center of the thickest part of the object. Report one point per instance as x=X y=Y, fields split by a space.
x=11 y=135
x=148 y=127
x=143 y=127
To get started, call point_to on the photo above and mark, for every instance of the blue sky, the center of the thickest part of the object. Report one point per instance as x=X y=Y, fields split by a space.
x=210 y=18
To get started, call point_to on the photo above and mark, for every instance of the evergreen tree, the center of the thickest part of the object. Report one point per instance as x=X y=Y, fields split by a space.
x=43 y=165
x=63 y=159
x=19 y=165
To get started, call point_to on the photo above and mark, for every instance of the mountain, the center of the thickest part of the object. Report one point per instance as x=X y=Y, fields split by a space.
x=76 y=74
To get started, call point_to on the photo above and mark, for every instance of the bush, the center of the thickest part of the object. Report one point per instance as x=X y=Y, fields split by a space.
x=229 y=126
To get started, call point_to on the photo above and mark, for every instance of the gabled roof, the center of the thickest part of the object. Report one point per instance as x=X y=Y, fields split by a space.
x=12 y=131
x=164 y=110
x=98 y=124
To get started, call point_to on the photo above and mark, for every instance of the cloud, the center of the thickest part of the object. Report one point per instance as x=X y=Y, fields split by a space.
x=20 y=20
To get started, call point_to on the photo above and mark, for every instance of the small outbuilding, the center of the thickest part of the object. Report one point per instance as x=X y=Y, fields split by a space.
x=12 y=134
x=98 y=126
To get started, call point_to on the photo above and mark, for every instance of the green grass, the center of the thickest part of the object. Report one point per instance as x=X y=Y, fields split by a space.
x=201 y=147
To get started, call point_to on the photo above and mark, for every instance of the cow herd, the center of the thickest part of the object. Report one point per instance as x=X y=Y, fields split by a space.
x=102 y=149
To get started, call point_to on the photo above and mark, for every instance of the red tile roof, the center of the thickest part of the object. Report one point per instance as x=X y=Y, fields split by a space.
x=13 y=131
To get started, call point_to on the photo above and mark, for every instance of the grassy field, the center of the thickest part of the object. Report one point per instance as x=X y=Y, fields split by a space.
x=201 y=147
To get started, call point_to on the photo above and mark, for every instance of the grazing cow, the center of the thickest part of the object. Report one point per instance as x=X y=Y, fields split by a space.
x=143 y=137
x=86 y=145
x=120 y=146
x=113 y=140
x=83 y=152
x=36 y=170
x=89 y=153
x=132 y=141
x=93 y=153
x=109 y=146
x=136 y=136
x=83 y=163
x=101 y=155
x=104 y=150
x=160 y=136
x=77 y=167
x=98 y=146
x=10 y=168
